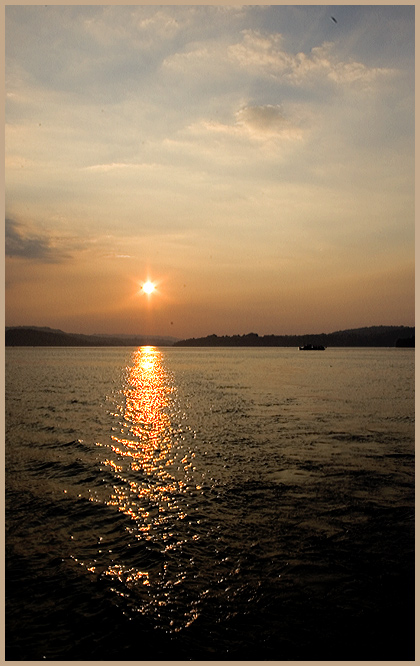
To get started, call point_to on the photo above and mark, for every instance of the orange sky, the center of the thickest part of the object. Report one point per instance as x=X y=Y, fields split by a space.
x=256 y=162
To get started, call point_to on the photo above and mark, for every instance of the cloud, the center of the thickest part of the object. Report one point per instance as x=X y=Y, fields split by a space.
x=120 y=166
x=265 y=124
x=114 y=255
x=18 y=244
x=264 y=55
x=142 y=27
x=267 y=121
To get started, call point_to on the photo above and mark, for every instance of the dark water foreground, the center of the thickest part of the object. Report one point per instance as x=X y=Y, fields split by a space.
x=209 y=505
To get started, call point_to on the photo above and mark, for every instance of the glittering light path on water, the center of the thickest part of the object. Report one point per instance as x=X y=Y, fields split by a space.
x=147 y=447
x=150 y=478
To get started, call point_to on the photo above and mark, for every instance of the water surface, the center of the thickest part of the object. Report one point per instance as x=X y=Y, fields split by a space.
x=244 y=504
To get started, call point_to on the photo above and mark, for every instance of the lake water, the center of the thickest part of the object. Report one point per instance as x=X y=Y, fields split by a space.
x=209 y=504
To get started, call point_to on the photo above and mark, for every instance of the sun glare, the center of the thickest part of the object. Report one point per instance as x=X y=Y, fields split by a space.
x=148 y=287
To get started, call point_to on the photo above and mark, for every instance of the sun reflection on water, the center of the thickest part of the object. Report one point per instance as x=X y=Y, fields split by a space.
x=150 y=478
x=145 y=442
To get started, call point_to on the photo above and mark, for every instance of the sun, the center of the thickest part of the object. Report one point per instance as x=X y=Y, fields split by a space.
x=148 y=287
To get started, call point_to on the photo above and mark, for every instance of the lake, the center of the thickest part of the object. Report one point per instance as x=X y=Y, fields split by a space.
x=209 y=504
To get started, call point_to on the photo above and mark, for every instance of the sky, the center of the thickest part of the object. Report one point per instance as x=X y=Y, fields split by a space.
x=255 y=163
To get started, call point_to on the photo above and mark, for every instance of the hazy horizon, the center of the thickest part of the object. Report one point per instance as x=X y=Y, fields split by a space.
x=256 y=163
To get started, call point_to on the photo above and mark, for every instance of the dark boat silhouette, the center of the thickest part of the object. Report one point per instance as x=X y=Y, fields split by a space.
x=312 y=348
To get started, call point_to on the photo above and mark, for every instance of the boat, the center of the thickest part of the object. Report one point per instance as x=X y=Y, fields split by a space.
x=312 y=348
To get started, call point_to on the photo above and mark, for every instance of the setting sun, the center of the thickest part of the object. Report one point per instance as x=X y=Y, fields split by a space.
x=148 y=287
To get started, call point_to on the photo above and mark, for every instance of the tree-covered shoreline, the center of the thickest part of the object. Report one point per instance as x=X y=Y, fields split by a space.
x=374 y=336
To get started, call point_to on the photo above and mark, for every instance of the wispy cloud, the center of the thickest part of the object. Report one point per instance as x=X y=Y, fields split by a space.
x=265 y=55
x=120 y=166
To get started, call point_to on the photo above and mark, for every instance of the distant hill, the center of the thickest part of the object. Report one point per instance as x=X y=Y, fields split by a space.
x=37 y=336
x=373 y=336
